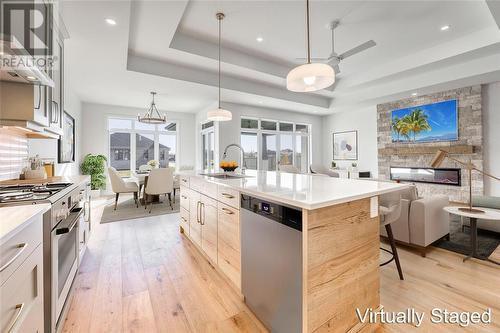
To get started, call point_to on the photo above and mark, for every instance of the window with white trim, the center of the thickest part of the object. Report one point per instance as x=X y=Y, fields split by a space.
x=132 y=144
x=270 y=143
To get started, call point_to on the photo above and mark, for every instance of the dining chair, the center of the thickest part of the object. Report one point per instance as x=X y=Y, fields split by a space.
x=119 y=185
x=288 y=168
x=390 y=211
x=160 y=181
x=320 y=169
x=177 y=182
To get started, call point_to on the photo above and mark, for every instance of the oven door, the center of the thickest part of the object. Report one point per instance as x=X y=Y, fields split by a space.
x=65 y=249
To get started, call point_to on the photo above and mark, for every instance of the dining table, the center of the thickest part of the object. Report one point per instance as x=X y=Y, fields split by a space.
x=142 y=179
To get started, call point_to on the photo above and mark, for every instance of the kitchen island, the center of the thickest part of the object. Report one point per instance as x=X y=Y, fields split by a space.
x=338 y=255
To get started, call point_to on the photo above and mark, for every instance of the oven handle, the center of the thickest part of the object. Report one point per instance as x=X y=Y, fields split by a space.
x=68 y=227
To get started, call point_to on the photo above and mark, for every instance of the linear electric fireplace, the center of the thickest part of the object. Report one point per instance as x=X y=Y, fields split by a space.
x=443 y=176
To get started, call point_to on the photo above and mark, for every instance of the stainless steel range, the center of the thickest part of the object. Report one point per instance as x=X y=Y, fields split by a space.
x=63 y=235
x=29 y=193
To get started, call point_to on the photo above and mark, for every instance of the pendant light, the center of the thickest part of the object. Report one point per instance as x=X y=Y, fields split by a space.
x=310 y=76
x=219 y=114
x=153 y=116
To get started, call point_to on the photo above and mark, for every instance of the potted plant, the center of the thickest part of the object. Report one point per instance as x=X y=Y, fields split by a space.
x=94 y=165
x=153 y=164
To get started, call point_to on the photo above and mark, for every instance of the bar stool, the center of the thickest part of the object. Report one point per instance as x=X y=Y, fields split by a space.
x=390 y=210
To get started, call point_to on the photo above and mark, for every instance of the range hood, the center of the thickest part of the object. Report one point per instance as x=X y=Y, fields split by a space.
x=24 y=71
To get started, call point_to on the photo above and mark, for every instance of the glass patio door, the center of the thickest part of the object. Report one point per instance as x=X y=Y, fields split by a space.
x=208 y=146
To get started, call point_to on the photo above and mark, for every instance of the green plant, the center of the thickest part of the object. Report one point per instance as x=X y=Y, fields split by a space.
x=94 y=165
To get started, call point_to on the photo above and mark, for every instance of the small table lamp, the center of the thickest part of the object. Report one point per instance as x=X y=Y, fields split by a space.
x=438 y=159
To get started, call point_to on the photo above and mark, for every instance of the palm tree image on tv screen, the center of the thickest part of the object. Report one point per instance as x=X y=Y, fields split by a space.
x=426 y=123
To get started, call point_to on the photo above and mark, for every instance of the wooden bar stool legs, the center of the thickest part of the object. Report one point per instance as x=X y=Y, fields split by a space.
x=393 y=252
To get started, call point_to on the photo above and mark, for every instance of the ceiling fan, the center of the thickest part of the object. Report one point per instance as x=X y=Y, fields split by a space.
x=334 y=59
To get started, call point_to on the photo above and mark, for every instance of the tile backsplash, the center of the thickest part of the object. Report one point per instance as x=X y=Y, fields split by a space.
x=13 y=153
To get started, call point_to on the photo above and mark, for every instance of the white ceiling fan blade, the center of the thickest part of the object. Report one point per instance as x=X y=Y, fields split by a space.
x=357 y=49
x=315 y=59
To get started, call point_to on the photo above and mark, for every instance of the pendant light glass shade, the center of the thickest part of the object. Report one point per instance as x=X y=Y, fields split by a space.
x=219 y=114
x=310 y=77
x=153 y=116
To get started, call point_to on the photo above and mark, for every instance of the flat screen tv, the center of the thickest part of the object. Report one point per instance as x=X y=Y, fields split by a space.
x=426 y=123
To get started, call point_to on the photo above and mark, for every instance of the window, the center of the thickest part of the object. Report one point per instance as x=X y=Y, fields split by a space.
x=208 y=145
x=269 y=143
x=250 y=146
x=132 y=144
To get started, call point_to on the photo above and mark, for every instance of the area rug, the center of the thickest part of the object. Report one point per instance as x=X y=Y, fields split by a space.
x=487 y=241
x=127 y=210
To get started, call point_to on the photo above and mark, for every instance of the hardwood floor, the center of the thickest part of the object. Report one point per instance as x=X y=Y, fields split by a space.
x=144 y=276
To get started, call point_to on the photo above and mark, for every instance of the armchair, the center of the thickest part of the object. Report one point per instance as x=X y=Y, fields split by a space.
x=422 y=220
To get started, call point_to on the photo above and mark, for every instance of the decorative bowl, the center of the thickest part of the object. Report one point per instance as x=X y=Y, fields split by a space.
x=229 y=169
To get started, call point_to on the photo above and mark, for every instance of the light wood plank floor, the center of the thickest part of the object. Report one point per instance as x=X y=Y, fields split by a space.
x=143 y=276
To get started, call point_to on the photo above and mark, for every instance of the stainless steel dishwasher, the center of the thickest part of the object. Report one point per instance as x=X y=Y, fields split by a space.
x=271 y=263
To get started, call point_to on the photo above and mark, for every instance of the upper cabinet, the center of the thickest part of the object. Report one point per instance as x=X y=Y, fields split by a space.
x=56 y=95
x=38 y=106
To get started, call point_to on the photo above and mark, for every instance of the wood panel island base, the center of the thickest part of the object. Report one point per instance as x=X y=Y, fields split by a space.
x=339 y=241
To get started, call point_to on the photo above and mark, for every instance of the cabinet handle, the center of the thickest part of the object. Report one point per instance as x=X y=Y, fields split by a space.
x=39 y=104
x=182 y=218
x=227 y=211
x=227 y=195
x=55 y=119
x=184 y=180
x=198 y=212
x=21 y=247
x=184 y=197
x=19 y=309
x=202 y=220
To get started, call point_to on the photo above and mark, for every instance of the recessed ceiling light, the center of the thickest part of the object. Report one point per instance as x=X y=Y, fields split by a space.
x=414 y=94
x=445 y=27
x=110 y=21
x=260 y=39
x=31 y=78
x=260 y=102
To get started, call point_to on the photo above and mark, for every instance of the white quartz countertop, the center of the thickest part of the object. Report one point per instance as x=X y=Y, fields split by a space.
x=307 y=191
x=13 y=218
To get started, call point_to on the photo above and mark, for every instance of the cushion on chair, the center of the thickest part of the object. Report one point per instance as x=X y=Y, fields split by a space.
x=410 y=193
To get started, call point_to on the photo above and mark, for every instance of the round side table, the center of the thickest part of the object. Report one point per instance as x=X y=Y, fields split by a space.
x=488 y=214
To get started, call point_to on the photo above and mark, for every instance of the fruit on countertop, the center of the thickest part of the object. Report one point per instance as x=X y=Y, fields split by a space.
x=228 y=164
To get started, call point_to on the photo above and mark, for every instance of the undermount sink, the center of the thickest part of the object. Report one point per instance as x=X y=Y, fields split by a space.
x=224 y=175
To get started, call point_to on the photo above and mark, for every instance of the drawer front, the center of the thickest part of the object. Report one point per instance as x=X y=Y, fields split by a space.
x=185 y=194
x=21 y=304
x=228 y=252
x=204 y=187
x=184 y=181
x=229 y=196
x=19 y=247
x=185 y=221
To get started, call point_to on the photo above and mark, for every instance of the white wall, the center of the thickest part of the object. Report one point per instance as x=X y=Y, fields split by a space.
x=48 y=148
x=95 y=134
x=229 y=131
x=491 y=136
x=365 y=122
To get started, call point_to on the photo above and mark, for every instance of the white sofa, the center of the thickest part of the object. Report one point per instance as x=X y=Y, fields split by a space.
x=422 y=220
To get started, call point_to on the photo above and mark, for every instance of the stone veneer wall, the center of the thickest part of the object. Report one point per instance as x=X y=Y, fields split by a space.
x=470 y=134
